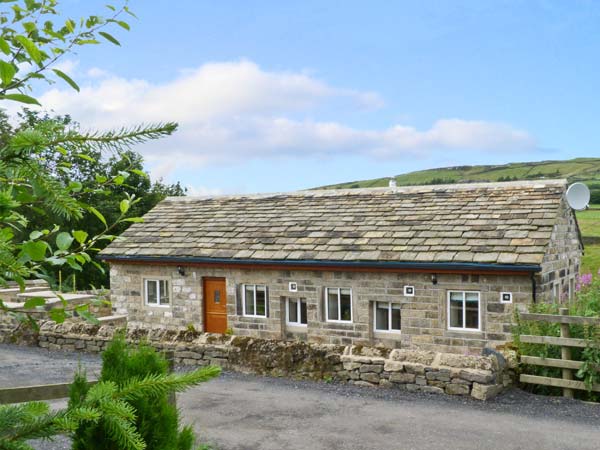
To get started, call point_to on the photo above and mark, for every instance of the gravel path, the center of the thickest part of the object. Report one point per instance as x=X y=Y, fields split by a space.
x=239 y=411
x=30 y=366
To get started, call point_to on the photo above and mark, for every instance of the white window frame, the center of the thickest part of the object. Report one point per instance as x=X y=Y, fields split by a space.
x=390 y=330
x=254 y=286
x=464 y=321
x=339 y=296
x=299 y=309
x=158 y=303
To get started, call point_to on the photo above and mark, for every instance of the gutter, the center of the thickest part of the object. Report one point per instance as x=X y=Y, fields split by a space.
x=448 y=266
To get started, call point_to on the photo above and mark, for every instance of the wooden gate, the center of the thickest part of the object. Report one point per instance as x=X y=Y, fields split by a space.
x=566 y=343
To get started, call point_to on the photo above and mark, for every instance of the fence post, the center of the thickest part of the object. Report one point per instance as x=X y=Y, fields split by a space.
x=565 y=353
x=170 y=356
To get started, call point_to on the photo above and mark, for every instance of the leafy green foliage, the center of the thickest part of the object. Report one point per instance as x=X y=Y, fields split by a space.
x=51 y=173
x=34 y=420
x=140 y=376
x=131 y=414
x=112 y=188
x=587 y=304
x=33 y=38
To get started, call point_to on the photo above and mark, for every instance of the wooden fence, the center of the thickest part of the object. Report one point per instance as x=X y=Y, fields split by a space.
x=23 y=394
x=35 y=393
x=566 y=342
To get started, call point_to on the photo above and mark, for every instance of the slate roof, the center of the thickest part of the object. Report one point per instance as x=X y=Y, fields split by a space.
x=498 y=223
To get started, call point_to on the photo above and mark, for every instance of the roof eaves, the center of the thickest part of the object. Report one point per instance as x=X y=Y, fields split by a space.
x=328 y=263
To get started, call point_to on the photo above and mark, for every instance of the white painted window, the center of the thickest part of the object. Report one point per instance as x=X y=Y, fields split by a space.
x=296 y=312
x=338 y=305
x=464 y=312
x=156 y=292
x=386 y=317
x=254 y=300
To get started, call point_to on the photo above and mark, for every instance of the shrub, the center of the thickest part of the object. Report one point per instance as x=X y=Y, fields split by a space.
x=156 y=420
x=586 y=303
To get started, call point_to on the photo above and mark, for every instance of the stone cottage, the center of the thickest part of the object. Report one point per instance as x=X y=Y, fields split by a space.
x=434 y=267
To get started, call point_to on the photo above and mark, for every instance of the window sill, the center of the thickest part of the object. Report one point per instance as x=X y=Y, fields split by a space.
x=296 y=328
x=388 y=333
x=150 y=305
x=465 y=334
x=465 y=330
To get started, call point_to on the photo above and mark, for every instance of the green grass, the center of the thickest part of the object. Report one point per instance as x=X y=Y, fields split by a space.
x=589 y=224
x=579 y=169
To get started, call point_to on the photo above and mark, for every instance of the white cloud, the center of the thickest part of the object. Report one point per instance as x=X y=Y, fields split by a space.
x=235 y=111
x=202 y=191
x=96 y=72
x=68 y=66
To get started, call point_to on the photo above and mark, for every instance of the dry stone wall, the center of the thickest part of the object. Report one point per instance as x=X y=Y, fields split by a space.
x=480 y=377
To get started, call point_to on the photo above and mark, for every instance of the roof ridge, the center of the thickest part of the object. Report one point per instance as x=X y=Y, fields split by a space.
x=356 y=191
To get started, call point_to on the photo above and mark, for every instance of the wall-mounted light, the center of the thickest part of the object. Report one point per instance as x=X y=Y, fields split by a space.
x=181 y=270
x=434 y=278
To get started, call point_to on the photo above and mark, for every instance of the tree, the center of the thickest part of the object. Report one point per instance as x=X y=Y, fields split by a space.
x=32 y=38
x=88 y=167
x=156 y=420
x=128 y=413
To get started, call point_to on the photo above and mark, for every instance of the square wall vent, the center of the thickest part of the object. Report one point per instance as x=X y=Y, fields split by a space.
x=293 y=286
x=506 y=297
x=409 y=291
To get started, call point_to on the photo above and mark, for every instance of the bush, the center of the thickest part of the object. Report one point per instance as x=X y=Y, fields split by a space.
x=156 y=420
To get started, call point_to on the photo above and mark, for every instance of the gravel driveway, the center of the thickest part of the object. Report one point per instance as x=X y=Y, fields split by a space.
x=240 y=411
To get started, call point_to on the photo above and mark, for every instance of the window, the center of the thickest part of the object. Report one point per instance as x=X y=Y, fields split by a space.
x=339 y=305
x=296 y=312
x=255 y=300
x=157 y=292
x=463 y=310
x=387 y=316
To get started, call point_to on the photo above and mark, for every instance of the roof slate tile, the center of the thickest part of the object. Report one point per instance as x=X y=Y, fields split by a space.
x=505 y=223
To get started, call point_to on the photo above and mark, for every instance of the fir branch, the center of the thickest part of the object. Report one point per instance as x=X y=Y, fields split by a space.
x=113 y=139
x=154 y=386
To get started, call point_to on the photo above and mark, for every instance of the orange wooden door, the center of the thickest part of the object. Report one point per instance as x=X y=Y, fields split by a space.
x=215 y=305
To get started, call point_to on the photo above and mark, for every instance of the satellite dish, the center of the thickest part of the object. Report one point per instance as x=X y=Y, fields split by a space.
x=578 y=196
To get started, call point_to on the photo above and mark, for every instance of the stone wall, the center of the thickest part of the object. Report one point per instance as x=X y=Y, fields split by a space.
x=561 y=263
x=481 y=377
x=424 y=316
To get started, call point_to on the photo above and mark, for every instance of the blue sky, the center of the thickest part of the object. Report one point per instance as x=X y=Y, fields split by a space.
x=276 y=96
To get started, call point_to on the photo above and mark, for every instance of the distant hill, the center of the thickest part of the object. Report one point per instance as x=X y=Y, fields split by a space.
x=586 y=170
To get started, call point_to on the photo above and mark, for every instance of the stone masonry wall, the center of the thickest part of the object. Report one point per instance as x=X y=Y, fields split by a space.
x=424 y=316
x=481 y=377
x=561 y=263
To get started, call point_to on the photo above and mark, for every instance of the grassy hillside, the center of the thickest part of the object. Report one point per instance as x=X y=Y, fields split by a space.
x=579 y=169
x=589 y=224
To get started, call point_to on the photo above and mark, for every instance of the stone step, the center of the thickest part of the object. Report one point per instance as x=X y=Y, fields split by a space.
x=113 y=320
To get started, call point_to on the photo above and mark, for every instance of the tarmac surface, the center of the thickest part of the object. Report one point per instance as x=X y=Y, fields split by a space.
x=239 y=411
